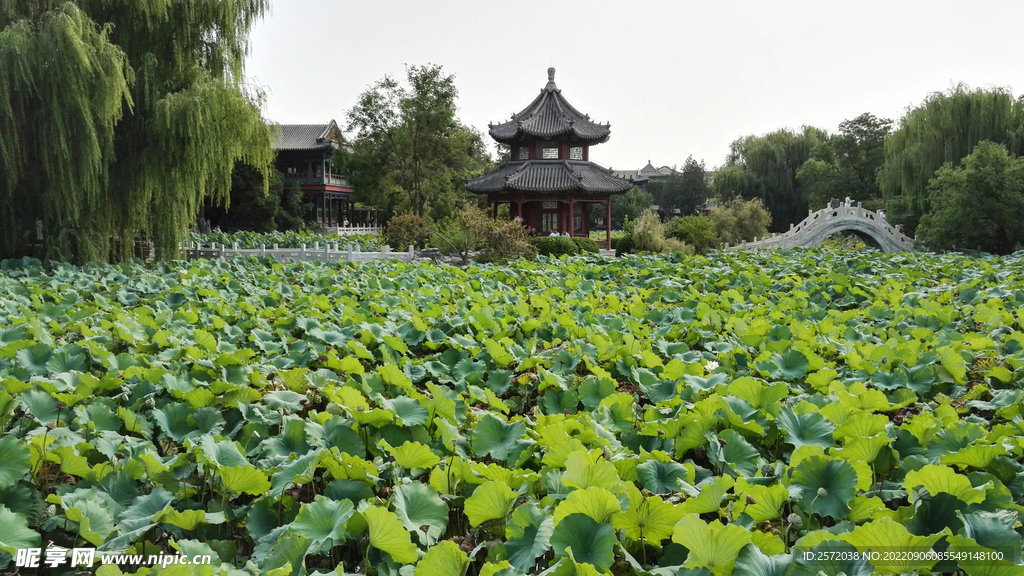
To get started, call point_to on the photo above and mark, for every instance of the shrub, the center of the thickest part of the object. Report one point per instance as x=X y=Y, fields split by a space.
x=647 y=234
x=405 y=230
x=555 y=246
x=738 y=221
x=622 y=245
x=508 y=240
x=695 y=231
x=586 y=245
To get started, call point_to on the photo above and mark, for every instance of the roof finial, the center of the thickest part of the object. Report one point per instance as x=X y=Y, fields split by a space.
x=551 y=79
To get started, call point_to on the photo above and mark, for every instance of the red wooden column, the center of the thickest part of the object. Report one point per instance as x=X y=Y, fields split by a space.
x=586 y=219
x=608 y=220
x=572 y=214
x=519 y=207
x=494 y=206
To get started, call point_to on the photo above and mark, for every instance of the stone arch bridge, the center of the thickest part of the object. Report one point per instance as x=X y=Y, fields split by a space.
x=867 y=225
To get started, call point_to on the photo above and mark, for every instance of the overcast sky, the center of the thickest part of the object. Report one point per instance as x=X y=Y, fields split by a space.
x=674 y=78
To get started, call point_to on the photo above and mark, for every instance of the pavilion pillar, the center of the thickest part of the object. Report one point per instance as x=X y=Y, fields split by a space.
x=608 y=220
x=519 y=207
x=572 y=214
x=494 y=206
x=586 y=219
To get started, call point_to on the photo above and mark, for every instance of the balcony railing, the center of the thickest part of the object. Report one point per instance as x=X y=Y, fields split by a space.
x=305 y=178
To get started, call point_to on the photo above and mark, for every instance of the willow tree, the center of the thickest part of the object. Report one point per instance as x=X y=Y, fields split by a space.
x=945 y=128
x=765 y=167
x=118 y=118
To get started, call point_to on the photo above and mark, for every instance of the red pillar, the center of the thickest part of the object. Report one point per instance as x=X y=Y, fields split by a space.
x=519 y=207
x=608 y=220
x=572 y=214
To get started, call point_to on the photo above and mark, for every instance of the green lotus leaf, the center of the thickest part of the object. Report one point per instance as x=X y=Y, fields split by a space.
x=598 y=503
x=244 y=480
x=648 y=519
x=753 y=562
x=94 y=518
x=764 y=502
x=995 y=531
x=186 y=519
x=411 y=455
x=583 y=470
x=805 y=429
x=353 y=490
x=987 y=567
x=588 y=541
x=756 y=393
x=529 y=536
x=407 y=410
x=826 y=486
x=33 y=360
x=942 y=479
x=712 y=546
x=287 y=556
x=974 y=456
x=491 y=500
x=790 y=366
x=445 y=559
x=284 y=400
x=14 y=460
x=663 y=477
x=887 y=534
x=861 y=423
x=831 y=558
x=496 y=439
x=710 y=498
x=16 y=533
x=421 y=511
x=388 y=535
x=953 y=363
x=734 y=453
x=323 y=523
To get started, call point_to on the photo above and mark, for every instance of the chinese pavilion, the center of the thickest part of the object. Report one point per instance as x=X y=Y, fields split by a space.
x=304 y=154
x=549 y=180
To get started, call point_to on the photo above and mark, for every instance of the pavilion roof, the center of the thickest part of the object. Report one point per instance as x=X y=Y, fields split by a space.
x=550 y=117
x=549 y=176
x=319 y=137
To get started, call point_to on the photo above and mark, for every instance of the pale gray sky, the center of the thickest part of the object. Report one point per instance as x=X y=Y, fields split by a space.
x=674 y=78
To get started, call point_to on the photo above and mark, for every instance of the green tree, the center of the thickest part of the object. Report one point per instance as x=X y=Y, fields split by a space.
x=945 y=128
x=410 y=149
x=696 y=231
x=765 y=167
x=740 y=221
x=630 y=205
x=118 y=119
x=292 y=208
x=847 y=162
x=252 y=207
x=978 y=204
x=681 y=190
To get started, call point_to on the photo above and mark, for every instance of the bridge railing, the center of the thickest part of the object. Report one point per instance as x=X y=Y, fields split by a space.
x=818 y=220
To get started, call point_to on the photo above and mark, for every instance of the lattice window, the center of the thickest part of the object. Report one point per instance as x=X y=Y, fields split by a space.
x=576 y=153
x=524 y=153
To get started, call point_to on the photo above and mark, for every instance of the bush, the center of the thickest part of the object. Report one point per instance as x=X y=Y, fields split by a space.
x=738 y=221
x=508 y=240
x=406 y=230
x=696 y=231
x=586 y=245
x=622 y=245
x=555 y=246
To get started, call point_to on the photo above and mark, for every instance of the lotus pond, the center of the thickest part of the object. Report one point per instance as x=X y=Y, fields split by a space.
x=795 y=413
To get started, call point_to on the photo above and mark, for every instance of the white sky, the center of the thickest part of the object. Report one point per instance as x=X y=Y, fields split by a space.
x=674 y=78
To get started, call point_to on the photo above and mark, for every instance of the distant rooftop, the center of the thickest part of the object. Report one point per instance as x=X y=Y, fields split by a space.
x=311 y=137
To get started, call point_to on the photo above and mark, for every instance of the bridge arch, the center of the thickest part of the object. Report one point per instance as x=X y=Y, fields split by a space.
x=813 y=230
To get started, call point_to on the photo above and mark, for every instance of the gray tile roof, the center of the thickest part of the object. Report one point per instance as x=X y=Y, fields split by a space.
x=306 y=137
x=549 y=176
x=550 y=117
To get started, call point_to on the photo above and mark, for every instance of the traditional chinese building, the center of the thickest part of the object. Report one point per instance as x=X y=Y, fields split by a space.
x=304 y=154
x=549 y=180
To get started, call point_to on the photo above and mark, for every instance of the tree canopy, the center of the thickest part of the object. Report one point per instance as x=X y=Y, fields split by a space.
x=846 y=163
x=410 y=150
x=118 y=119
x=977 y=204
x=630 y=205
x=765 y=167
x=682 y=190
x=945 y=128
